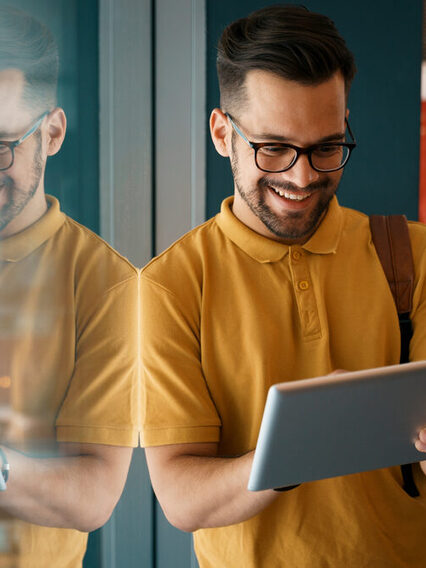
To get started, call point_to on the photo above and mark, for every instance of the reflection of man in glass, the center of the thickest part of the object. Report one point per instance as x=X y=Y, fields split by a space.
x=68 y=362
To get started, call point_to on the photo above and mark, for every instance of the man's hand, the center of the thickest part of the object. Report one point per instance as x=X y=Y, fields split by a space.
x=420 y=444
x=197 y=489
x=78 y=489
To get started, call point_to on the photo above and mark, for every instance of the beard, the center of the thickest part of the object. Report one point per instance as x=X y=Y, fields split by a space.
x=19 y=196
x=292 y=225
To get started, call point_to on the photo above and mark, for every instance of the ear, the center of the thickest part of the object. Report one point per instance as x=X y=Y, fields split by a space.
x=347 y=114
x=56 y=127
x=219 y=130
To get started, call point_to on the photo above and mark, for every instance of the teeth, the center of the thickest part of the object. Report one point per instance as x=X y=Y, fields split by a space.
x=292 y=196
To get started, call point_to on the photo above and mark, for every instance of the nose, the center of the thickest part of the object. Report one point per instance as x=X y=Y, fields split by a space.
x=302 y=173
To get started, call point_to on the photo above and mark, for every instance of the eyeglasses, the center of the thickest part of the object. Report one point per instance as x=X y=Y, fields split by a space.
x=277 y=157
x=7 y=149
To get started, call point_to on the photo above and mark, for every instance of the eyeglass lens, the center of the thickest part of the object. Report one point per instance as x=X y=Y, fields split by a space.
x=6 y=156
x=323 y=158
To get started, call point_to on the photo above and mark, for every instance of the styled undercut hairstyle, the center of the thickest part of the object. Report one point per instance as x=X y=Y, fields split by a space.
x=287 y=40
x=28 y=45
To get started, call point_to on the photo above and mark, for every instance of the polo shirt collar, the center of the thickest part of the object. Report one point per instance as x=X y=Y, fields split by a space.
x=17 y=247
x=324 y=241
x=326 y=238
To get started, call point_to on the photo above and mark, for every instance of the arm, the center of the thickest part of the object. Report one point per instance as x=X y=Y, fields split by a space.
x=77 y=490
x=197 y=489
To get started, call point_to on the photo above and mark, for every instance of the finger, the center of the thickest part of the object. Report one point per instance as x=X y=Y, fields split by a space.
x=420 y=443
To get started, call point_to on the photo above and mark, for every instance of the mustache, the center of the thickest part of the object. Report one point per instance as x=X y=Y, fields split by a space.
x=287 y=186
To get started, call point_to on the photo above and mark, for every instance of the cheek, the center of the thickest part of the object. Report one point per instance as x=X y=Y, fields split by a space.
x=328 y=183
x=335 y=178
x=247 y=169
x=21 y=174
x=249 y=176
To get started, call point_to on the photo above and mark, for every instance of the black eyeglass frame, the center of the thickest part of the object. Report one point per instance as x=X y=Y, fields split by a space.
x=14 y=143
x=299 y=151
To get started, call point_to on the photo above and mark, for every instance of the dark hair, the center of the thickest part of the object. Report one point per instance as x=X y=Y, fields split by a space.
x=287 y=40
x=26 y=44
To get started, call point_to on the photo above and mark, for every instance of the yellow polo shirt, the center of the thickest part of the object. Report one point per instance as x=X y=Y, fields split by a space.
x=68 y=360
x=226 y=314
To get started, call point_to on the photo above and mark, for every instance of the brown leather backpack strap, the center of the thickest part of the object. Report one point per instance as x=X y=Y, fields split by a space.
x=392 y=241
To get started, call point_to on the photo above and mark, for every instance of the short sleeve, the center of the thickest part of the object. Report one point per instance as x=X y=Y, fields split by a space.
x=102 y=404
x=177 y=406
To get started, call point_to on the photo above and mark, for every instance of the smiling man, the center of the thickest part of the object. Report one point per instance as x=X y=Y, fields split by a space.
x=274 y=288
x=68 y=331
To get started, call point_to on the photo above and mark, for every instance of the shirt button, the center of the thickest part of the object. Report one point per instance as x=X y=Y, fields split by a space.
x=303 y=285
x=296 y=255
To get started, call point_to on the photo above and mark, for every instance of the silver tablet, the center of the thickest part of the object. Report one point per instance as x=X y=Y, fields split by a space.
x=340 y=424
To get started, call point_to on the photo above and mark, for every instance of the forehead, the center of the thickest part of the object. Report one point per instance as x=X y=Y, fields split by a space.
x=13 y=116
x=304 y=113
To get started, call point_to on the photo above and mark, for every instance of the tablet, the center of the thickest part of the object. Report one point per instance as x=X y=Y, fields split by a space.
x=340 y=424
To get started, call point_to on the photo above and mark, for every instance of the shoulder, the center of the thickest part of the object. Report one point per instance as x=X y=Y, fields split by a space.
x=356 y=227
x=418 y=241
x=186 y=257
x=417 y=231
x=90 y=252
x=358 y=224
x=93 y=269
x=355 y=219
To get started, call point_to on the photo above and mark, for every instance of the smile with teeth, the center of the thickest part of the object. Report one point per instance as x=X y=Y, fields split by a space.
x=290 y=195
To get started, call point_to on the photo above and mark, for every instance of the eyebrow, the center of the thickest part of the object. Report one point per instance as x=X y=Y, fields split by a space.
x=8 y=137
x=277 y=138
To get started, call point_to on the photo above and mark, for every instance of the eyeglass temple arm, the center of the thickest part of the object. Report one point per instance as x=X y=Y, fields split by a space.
x=32 y=130
x=350 y=130
x=238 y=131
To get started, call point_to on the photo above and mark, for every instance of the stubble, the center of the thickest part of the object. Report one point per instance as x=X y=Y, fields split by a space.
x=18 y=196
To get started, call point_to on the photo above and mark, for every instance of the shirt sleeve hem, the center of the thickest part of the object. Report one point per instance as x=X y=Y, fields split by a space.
x=93 y=435
x=163 y=436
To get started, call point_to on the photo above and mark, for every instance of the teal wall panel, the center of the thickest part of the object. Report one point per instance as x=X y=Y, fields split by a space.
x=73 y=175
x=134 y=542
x=173 y=547
x=386 y=38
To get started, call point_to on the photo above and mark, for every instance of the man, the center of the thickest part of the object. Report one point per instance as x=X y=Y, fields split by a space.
x=68 y=331
x=273 y=289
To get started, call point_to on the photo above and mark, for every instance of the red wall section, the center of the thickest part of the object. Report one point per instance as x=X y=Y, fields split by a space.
x=422 y=192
